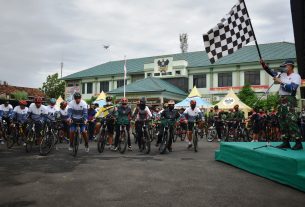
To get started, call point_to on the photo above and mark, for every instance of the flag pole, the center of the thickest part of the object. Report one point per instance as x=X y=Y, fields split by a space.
x=125 y=71
x=259 y=52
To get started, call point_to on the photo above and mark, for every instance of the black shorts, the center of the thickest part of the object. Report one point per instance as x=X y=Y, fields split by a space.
x=190 y=126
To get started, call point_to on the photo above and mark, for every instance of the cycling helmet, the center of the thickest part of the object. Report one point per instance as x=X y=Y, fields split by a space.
x=193 y=102
x=171 y=102
x=23 y=102
x=108 y=99
x=77 y=95
x=63 y=104
x=124 y=100
x=53 y=101
x=38 y=99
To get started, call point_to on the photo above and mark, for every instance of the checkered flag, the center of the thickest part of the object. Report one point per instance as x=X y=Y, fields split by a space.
x=231 y=34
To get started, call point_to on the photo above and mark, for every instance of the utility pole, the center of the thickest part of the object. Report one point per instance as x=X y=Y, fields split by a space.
x=61 y=66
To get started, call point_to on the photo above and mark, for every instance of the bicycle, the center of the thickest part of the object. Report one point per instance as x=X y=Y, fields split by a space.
x=49 y=139
x=4 y=130
x=146 y=140
x=122 y=145
x=102 y=137
x=77 y=137
x=195 y=136
x=212 y=133
x=180 y=132
x=17 y=132
x=30 y=137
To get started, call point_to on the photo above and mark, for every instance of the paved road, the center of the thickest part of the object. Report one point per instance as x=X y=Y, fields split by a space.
x=181 y=178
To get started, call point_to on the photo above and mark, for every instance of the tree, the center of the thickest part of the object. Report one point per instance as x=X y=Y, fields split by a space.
x=91 y=100
x=20 y=95
x=247 y=95
x=54 y=87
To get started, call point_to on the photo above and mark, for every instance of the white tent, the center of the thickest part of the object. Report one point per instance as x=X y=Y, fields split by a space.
x=194 y=95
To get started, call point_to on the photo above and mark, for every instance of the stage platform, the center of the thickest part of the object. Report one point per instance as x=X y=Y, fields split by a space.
x=286 y=167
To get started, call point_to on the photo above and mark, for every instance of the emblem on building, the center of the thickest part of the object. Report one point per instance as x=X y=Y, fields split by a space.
x=163 y=65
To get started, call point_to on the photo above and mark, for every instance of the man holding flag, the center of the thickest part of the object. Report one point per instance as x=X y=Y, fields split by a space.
x=234 y=32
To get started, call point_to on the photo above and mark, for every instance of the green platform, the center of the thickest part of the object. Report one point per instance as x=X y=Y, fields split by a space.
x=286 y=167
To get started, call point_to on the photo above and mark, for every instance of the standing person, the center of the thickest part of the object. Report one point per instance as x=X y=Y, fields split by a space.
x=256 y=127
x=192 y=114
x=302 y=119
x=63 y=111
x=141 y=114
x=6 y=111
x=91 y=121
x=78 y=112
x=289 y=82
x=218 y=122
x=123 y=117
x=170 y=116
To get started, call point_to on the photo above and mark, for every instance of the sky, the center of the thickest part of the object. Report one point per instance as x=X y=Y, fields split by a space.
x=37 y=35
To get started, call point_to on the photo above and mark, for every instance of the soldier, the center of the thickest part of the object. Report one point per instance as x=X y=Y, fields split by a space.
x=289 y=82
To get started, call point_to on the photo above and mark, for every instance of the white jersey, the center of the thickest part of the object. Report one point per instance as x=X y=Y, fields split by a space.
x=6 y=110
x=51 y=110
x=37 y=113
x=191 y=114
x=292 y=78
x=20 y=114
x=78 y=111
x=63 y=113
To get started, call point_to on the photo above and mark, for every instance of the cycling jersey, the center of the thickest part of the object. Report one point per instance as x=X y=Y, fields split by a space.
x=37 y=114
x=63 y=114
x=191 y=115
x=105 y=111
x=6 y=111
x=123 y=115
x=20 y=114
x=51 y=111
x=142 y=115
x=78 y=111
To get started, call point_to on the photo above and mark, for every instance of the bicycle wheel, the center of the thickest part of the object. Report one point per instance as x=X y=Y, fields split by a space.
x=46 y=144
x=163 y=145
x=123 y=141
x=212 y=134
x=11 y=139
x=175 y=134
x=101 y=141
x=147 y=142
x=29 y=141
x=75 y=144
x=195 y=141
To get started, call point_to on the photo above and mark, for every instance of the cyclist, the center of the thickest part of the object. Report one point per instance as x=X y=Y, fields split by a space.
x=218 y=121
x=192 y=114
x=91 y=121
x=106 y=112
x=63 y=111
x=141 y=114
x=123 y=117
x=78 y=112
x=6 y=110
x=38 y=113
x=20 y=113
x=168 y=116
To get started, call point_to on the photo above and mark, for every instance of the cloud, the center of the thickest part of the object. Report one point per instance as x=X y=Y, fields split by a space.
x=37 y=35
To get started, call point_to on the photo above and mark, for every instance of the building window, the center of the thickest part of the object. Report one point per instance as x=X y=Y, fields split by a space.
x=148 y=74
x=200 y=81
x=104 y=86
x=120 y=83
x=224 y=79
x=169 y=73
x=83 y=88
x=157 y=74
x=178 y=72
x=70 y=85
x=89 y=88
x=252 y=77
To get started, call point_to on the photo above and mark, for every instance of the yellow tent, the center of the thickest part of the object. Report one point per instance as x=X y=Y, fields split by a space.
x=194 y=93
x=58 y=101
x=230 y=100
x=102 y=96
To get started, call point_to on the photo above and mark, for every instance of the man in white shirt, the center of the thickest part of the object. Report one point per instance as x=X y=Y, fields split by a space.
x=6 y=110
x=289 y=82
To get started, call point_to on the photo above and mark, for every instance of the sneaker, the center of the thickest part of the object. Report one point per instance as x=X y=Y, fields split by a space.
x=87 y=149
x=1 y=142
x=253 y=140
x=115 y=149
x=129 y=148
x=219 y=140
x=70 y=148
x=189 y=146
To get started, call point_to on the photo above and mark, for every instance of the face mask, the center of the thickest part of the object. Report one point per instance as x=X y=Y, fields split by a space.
x=109 y=103
x=142 y=106
x=193 y=106
x=283 y=69
x=171 y=107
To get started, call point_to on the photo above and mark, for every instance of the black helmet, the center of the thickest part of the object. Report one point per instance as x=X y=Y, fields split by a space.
x=108 y=99
x=143 y=101
x=77 y=95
